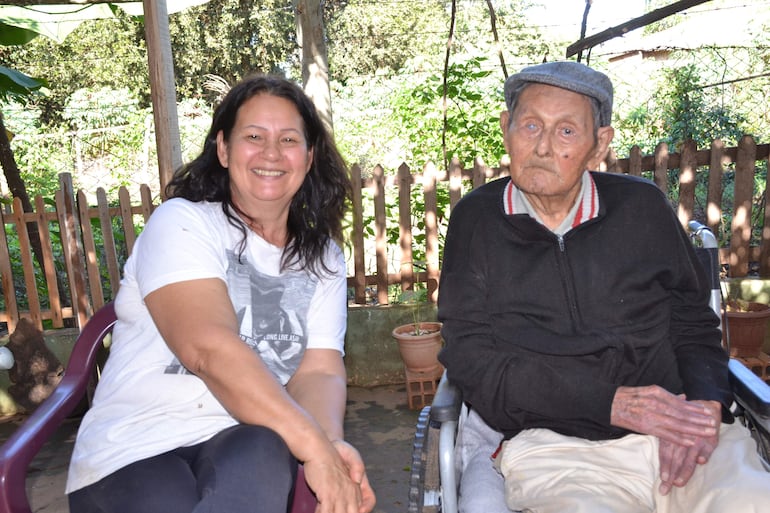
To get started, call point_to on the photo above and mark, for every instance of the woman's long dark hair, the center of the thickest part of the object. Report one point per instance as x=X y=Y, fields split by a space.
x=316 y=210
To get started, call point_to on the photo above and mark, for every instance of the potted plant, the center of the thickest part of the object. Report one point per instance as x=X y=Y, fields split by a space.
x=419 y=341
x=744 y=327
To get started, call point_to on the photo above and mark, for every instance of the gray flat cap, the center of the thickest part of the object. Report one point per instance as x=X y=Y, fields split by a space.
x=569 y=75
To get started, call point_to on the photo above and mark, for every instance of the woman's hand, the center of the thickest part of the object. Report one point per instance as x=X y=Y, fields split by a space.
x=339 y=481
x=357 y=473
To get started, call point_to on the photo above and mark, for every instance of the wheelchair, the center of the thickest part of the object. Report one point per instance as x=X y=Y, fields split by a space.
x=434 y=481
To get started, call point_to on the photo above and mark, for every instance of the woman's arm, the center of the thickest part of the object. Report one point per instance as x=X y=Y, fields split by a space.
x=197 y=321
x=320 y=387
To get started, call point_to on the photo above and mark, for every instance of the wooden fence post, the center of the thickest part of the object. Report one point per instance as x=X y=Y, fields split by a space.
x=635 y=161
x=110 y=251
x=54 y=298
x=91 y=259
x=661 y=167
x=714 y=198
x=6 y=279
x=73 y=253
x=744 y=191
x=380 y=233
x=687 y=166
x=124 y=201
x=357 y=237
x=405 y=227
x=27 y=263
x=455 y=182
x=431 y=230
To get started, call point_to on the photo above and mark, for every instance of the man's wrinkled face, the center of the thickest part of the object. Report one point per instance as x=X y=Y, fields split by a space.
x=550 y=141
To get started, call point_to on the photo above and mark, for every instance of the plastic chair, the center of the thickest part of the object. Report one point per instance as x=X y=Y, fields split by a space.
x=433 y=480
x=24 y=444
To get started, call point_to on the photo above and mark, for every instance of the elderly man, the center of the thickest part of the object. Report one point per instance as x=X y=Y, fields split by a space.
x=577 y=326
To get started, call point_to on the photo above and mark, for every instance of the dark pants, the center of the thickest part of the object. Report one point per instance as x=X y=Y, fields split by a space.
x=242 y=469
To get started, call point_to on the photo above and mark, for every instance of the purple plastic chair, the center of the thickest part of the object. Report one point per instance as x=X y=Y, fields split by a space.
x=24 y=444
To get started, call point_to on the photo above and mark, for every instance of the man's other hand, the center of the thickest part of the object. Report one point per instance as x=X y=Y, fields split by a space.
x=652 y=410
x=678 y=463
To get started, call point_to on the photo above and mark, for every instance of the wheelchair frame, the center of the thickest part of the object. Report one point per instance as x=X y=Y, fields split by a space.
x=434 y=481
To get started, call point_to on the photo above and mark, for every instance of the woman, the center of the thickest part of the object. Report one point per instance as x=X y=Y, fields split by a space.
x=226 y=362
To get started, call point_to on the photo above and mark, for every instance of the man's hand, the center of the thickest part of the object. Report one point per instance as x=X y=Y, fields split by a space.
x=678 y=463
x=651 y=410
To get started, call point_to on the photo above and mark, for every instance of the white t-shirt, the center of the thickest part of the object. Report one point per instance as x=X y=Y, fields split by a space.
x=147 y=403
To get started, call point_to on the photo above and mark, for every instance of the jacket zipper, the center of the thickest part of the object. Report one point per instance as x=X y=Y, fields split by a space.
x=569 y=284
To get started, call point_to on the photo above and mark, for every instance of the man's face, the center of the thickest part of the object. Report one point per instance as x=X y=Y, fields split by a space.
x=550 y=141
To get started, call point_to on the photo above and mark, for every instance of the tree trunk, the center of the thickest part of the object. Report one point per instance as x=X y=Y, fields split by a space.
x=18 y=189
x=315 y=62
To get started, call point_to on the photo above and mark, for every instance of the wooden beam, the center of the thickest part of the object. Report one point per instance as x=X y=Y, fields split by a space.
x=163 y=89
x=28 y=3
x=641 y=21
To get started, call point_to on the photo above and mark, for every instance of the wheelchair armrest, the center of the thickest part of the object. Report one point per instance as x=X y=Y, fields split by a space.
x=749 y=389
x=447 y=402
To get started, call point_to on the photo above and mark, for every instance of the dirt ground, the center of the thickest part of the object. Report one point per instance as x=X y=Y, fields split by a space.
x=377 y=422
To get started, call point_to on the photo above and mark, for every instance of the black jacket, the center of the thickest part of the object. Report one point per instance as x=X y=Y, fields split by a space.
x=541 y=330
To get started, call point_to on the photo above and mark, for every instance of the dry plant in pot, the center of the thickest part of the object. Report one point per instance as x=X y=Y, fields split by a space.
x=419 y=341
x=745 y=325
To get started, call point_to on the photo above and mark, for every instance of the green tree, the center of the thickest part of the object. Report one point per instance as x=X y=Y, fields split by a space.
x=473 y=128
x=367 y=37
x=230 y=39
x=99 y=53
x=682 y=108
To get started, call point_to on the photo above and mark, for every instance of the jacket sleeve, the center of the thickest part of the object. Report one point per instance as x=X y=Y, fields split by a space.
x=695 y=334
x=507 y=387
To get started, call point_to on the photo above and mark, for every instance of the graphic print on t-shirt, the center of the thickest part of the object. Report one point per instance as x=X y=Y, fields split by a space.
x=272 y=315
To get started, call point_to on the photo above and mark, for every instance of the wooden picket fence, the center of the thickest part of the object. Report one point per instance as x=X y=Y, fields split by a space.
x=69 y=247
x=87 y=254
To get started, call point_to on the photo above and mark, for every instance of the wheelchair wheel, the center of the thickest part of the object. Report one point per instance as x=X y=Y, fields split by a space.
x=424 y=482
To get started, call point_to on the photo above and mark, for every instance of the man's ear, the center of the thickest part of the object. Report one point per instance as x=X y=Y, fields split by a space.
x=603 y=139
x=505 y=119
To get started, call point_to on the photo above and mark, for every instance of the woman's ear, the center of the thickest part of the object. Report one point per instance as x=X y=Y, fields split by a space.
x=222 y=149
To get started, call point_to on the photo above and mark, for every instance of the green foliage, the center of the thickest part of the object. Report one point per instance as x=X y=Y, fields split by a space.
x=681 y=109
x=99 y=53
x=688 y=113
x=230 y=39
x=17 y=86
x=103 y=107
x=365 y=37
x=472 y=128
x=416 y=298
x=11 y=35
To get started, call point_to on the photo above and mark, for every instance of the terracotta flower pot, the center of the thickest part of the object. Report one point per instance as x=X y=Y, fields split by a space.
x=419 y=351
x=746 y=330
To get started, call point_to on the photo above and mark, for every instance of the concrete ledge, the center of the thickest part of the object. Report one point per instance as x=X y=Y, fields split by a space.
x=371 y=353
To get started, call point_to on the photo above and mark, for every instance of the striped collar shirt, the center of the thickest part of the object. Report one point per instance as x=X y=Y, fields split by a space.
x=584 y=209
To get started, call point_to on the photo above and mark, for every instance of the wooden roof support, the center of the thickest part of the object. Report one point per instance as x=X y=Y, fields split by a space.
x=641 y=21
x=163 y=89
x=27 y=3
